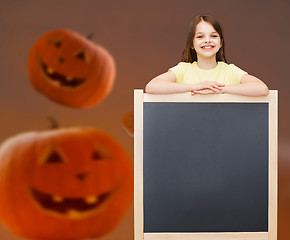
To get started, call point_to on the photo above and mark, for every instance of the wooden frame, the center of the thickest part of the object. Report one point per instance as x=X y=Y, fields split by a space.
x=139 y=99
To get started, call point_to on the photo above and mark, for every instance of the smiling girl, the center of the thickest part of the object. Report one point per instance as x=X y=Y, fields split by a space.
x=204 y=69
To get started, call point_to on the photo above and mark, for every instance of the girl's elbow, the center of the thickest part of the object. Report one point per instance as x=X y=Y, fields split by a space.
x=148 y=88
x=264 y=90
x=151 y=86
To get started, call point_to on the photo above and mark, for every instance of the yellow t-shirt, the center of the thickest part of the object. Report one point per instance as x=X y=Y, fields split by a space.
x=228 y=74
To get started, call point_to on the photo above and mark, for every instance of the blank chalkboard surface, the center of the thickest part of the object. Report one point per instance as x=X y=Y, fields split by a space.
x=203 y=167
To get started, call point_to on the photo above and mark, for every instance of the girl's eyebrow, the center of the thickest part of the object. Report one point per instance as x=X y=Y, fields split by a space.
x=203 y=32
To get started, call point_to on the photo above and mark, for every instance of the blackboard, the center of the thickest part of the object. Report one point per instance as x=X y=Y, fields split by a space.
x=205 y=166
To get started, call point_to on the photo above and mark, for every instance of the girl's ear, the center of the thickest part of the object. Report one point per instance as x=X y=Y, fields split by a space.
x=221 y=43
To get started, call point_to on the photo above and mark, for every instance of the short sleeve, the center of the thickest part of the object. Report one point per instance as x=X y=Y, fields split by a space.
x=178 y=71
x=236 y=74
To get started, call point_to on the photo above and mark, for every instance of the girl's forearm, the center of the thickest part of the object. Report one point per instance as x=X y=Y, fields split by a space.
x=164 y=87
x=247 y=89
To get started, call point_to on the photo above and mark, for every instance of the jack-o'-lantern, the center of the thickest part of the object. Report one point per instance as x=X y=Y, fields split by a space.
x=70 y=69
x=64 y=184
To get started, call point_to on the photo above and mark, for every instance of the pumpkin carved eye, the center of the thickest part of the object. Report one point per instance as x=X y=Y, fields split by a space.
x=96 y=156
x=54 y=157
x=57 y=43
x=101 y=153
x=81 y=55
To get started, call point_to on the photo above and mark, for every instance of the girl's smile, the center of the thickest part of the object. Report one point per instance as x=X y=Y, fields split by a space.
x=207 y=47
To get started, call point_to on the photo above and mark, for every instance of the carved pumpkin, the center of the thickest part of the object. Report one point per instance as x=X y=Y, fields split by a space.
x=64 y=184
x=70 y=69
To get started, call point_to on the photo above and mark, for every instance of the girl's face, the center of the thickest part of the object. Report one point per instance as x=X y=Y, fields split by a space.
x=206 y=41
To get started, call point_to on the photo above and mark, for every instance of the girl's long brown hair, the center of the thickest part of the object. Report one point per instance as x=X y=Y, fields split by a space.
x=189 y=54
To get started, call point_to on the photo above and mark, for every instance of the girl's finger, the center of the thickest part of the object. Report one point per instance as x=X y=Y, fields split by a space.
x=212 y=92
x=217 y=87
x=213 y=88
x=204 y=92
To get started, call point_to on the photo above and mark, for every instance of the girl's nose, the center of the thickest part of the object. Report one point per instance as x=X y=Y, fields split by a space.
x=207 y=39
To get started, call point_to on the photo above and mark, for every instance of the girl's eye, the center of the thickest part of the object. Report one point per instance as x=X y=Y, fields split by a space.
x=199 y=37
x=214 y=35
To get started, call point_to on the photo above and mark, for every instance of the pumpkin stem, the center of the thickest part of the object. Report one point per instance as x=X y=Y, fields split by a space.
x=90 y=36
x=53 y=123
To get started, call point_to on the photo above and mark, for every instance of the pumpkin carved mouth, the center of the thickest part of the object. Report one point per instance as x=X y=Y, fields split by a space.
x=73 y=208
x=61 y=80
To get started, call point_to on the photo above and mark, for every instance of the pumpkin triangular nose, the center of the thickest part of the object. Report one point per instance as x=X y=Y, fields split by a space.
x=60 y=59
x=82 y=176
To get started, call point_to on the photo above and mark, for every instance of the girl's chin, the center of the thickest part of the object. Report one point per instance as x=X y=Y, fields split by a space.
x=207 y=56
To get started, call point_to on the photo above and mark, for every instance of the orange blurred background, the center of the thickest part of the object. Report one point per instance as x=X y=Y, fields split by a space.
x=145 y=38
